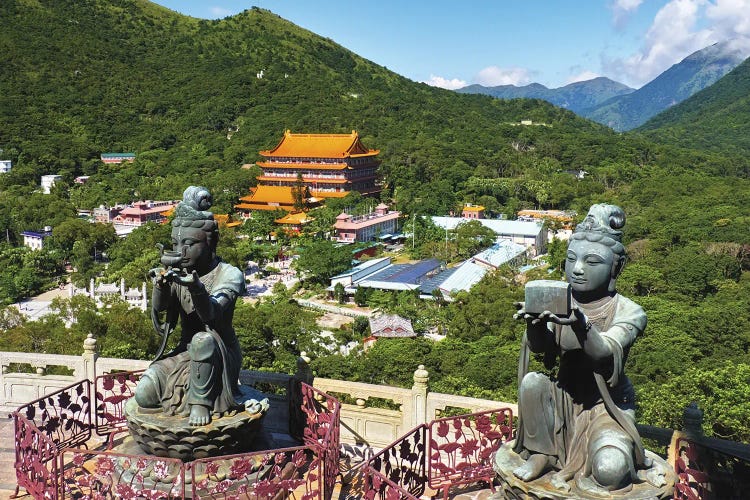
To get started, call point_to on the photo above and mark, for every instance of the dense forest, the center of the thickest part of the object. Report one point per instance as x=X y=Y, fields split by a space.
x=187 y=96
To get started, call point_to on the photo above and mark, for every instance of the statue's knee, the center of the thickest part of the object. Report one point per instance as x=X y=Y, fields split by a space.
x=533 y=383
x=146 y=394
x=202 y=346
x=611 y=468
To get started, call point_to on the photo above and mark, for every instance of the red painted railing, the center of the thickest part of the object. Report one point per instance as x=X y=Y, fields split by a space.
x=461 y=448
x=443 y=453
x=48 y=464
x=112 y=391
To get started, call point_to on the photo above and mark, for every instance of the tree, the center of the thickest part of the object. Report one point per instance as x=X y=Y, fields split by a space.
x=322 y=259
x=339 y=294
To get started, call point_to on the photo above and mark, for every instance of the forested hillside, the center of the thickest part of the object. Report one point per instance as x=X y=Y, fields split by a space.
x=715 y=119
x=195 y=99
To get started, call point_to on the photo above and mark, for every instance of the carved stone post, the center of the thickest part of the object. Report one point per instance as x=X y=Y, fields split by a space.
x=419 y=395
x=89 y=356
x=692 y=421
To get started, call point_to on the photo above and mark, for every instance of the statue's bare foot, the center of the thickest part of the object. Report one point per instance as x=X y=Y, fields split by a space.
x=199 y=415
x=534 y=466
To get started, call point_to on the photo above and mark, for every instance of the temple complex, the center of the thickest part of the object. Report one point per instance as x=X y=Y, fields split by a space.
x=328 y=165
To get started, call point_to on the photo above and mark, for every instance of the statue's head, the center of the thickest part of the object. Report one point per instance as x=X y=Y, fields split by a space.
x=195 y=233
x=596 y=254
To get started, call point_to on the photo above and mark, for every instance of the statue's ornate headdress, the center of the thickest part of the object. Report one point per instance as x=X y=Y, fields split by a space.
x=193 y=211
x=604 y=219
x=603 y=224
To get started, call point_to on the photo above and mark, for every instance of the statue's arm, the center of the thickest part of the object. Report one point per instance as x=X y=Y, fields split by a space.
x=211 y=307
x=607 y=347
x=160 y=293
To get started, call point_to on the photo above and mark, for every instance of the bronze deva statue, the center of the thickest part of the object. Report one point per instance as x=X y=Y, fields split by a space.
x=580 y=423
x=199 y=377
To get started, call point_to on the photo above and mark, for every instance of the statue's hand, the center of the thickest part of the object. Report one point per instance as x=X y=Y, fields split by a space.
x=576 y=318
x=159 y=276
x=191 y=281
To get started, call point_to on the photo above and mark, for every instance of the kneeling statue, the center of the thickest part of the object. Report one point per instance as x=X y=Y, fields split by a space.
x=580 y=422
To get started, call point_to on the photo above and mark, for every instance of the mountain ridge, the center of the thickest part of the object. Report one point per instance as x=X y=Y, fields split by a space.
x=576 y=96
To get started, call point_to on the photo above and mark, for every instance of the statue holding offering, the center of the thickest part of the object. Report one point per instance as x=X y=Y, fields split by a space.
x=199 y=377
x=579 y=423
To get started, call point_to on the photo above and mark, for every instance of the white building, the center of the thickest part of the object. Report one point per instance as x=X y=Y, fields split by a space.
x=35 y=239
x=48 y=181
x=530 y=234
x=5 y=166
x=136 y=298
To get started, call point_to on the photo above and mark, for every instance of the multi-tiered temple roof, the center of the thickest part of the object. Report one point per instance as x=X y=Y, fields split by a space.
x=328 y=165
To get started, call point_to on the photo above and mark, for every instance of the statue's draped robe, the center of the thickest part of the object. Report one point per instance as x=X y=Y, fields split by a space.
x=171 y=375
x=584 y=421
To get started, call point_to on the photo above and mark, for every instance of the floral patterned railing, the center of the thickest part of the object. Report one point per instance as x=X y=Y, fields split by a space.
x=377 y=485
x=48 y=464
x=440 y=454
x=112 y=391
x=36 y=460
x=461 y=448
x=399 y=469
x=103 y=474
x=63 y=416
x=322 y=414
x=294 y=473
x=691 y=482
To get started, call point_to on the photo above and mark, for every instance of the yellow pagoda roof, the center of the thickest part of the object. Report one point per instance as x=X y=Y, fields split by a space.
x=473 y=208
x=320 y=146
x=270 y=194
x=294 y=219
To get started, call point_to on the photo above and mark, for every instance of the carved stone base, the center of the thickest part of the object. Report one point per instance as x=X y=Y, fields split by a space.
x=506 y=460
x=171 y=435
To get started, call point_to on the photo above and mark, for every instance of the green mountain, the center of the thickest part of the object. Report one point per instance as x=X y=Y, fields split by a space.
x=715 y=119
x=576 y=96
x=694 y=73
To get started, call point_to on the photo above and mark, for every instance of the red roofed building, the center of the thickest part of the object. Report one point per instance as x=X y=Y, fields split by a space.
x=142 y=212
x=331 y=165
x=366 y=227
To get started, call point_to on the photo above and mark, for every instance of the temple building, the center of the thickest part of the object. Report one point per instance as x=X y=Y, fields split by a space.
x=328 y=165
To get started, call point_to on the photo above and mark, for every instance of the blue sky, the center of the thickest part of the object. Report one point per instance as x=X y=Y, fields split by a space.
x=496 y=42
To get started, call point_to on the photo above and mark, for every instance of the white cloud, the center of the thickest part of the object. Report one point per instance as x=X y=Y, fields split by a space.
x=671 y=37
x=680 y=28
x=729 y=18
x=217 y=11
x=582 y=77
x=439 y=81
x=493 y=76
x=622 y=10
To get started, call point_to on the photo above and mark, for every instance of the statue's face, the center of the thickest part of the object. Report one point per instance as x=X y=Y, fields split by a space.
x=192 y=243
x=588 y=266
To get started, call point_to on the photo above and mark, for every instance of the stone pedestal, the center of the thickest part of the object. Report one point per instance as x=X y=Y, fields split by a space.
x=506 y=460
x=162 y=435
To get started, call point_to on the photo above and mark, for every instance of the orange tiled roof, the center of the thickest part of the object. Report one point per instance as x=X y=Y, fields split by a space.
x=260 y=206
x=320 y=146
x=294 y=219
x=329 y=194
x=473 y=208
x=266 y=194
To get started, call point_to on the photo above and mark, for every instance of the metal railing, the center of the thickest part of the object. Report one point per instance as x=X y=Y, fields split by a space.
x=52 y=460
x=446 y=452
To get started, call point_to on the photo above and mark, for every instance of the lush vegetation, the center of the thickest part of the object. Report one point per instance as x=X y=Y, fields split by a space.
x=82 y=78
x=714 y=119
